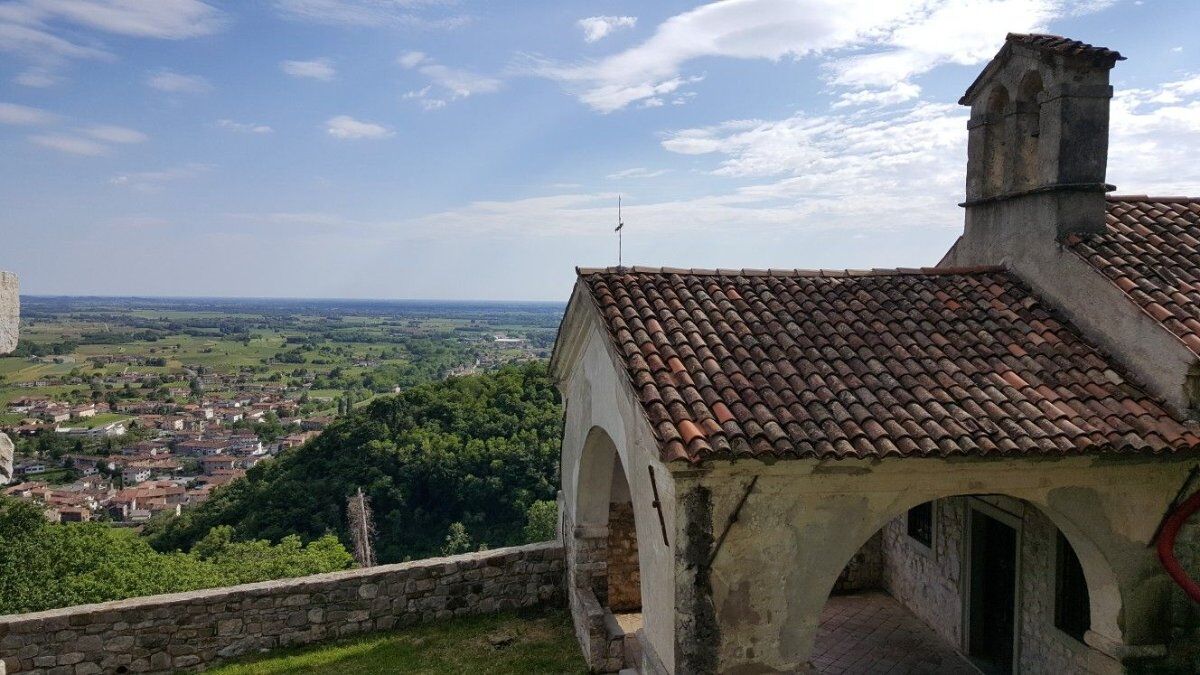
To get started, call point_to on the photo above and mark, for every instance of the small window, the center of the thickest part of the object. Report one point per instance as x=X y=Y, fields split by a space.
x=1072 y=609
x=920 y=523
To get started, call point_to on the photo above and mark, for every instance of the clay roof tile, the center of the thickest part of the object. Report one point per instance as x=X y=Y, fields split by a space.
x=833 y=364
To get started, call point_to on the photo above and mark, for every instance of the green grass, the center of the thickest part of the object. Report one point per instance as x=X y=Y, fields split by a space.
x=541 y=642
x=97 y=420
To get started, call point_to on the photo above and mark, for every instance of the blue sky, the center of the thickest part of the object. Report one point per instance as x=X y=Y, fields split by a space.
x=474 y=150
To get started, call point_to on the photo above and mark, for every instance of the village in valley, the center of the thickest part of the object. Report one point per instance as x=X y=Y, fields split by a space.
x=125 y=409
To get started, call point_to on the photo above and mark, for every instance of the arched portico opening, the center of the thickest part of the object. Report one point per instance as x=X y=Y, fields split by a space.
x=964 y=582
x=606 y=592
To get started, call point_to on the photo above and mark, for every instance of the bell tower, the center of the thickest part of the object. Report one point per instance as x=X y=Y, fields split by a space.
x=1038 y=136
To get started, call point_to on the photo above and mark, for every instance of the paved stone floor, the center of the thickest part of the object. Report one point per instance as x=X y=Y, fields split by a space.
x=872 y=633
x=631 y=622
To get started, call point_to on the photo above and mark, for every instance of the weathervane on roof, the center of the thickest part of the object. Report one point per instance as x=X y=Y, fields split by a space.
x=620 y=227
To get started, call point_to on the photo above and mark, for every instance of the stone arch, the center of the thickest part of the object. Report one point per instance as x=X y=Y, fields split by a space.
x=1104 y=590
x=1026 y=121
x=995 y=154
x=606 y=503
x=605 y=558
x=593 y=477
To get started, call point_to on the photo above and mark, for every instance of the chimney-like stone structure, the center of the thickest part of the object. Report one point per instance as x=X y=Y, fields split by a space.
x=1037 y=154
x=10 y=311
x=1037 y=149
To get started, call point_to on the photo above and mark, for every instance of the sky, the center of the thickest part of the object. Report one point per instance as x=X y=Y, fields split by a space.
x=448 y=149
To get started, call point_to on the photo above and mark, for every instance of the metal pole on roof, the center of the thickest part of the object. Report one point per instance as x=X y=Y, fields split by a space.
x=620 y=227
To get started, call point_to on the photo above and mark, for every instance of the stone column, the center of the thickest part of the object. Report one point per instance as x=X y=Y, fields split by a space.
x=10 y=306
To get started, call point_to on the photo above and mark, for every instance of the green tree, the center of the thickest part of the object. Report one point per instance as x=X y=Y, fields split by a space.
x=45 y=565
x=457 y=540
x=477 y=450
x=541 y=521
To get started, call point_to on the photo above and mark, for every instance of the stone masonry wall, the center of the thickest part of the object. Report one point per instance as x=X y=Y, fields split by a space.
x=10 y=306
x=929 y=582
x=10 y=303
x=600 y=638
x=624 y=581
x=865 y=569
x=188 y=631
x=1043 y=647
x=926 y=580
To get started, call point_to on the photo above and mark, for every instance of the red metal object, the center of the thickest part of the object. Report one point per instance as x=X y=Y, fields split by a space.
x=1166 y=546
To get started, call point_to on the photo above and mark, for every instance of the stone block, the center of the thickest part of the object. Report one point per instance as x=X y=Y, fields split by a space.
x=10 y=308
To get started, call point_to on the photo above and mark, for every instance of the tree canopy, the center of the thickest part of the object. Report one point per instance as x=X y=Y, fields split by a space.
x=465 y=458
x=44 y=565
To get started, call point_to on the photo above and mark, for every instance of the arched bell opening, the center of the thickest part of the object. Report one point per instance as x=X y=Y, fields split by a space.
x=995 y=143
x=1027 y=132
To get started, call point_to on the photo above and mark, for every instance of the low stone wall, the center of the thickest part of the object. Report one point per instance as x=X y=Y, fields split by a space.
x=187 y=631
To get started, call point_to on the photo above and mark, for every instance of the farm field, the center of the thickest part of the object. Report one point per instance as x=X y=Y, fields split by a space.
x=80 y=350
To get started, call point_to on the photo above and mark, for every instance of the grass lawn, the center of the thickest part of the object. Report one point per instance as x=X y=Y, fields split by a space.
x=97 y=420
x=541 y=642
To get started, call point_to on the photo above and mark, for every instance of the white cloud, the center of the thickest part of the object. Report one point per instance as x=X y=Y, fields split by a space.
x=423 y=97
x=596 y=28
x=93 y=139
x=42 y=46
x=426 y=14
x=823 y=164
x=11 y=113
x=1155 y=138
x=594 y=213
x=892 y=42
x=411 y=59
x=113 y=134
x=897 y=93
x=45 y=31
x=243 y=128
x=165 y=19
x=178 y=83
x=317 y=69
x=346 y=127
x=460 y=83
x=36 y=78
x=73 y=145
x=637 y=173
x=450 y=84
x=809 y=172
x=153 y=181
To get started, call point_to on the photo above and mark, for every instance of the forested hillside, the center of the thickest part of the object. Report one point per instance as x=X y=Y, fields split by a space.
x=449 y=466
x=45 y=565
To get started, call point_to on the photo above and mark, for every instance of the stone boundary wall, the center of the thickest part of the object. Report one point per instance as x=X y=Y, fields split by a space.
x=188 y=631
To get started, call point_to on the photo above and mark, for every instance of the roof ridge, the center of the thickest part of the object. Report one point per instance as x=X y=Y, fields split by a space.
x=1062 y=45
x=828 y=273
x=1148 y=198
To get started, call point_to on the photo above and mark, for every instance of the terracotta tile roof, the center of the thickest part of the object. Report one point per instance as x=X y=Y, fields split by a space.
x=1065 y=46
x=834 y=364
x=1151 y=251
x=1055 y=44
